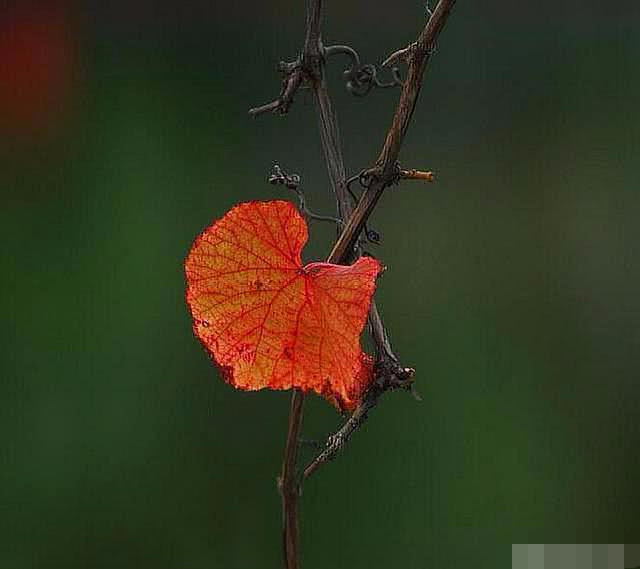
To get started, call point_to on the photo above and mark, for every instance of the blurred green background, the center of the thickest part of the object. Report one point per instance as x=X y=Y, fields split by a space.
x=512 y=286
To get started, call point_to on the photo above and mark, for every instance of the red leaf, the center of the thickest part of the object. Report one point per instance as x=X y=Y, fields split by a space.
x=266 y=320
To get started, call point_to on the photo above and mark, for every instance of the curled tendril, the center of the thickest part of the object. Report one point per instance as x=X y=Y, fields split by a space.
x=292 y=182
x=364 y=179
x=372 y=236
x=361 y=78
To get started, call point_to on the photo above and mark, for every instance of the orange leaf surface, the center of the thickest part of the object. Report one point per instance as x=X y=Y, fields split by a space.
x=270 y=322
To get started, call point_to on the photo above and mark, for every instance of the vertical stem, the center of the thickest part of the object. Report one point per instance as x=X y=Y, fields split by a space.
x=289 y=481
x=290 y=485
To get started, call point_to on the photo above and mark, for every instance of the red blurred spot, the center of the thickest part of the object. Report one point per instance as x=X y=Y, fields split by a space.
x=35 y=66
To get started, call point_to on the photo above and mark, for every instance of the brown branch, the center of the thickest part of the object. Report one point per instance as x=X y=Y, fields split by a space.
x=289 y=485
x=383 y=173
x=389 y=375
